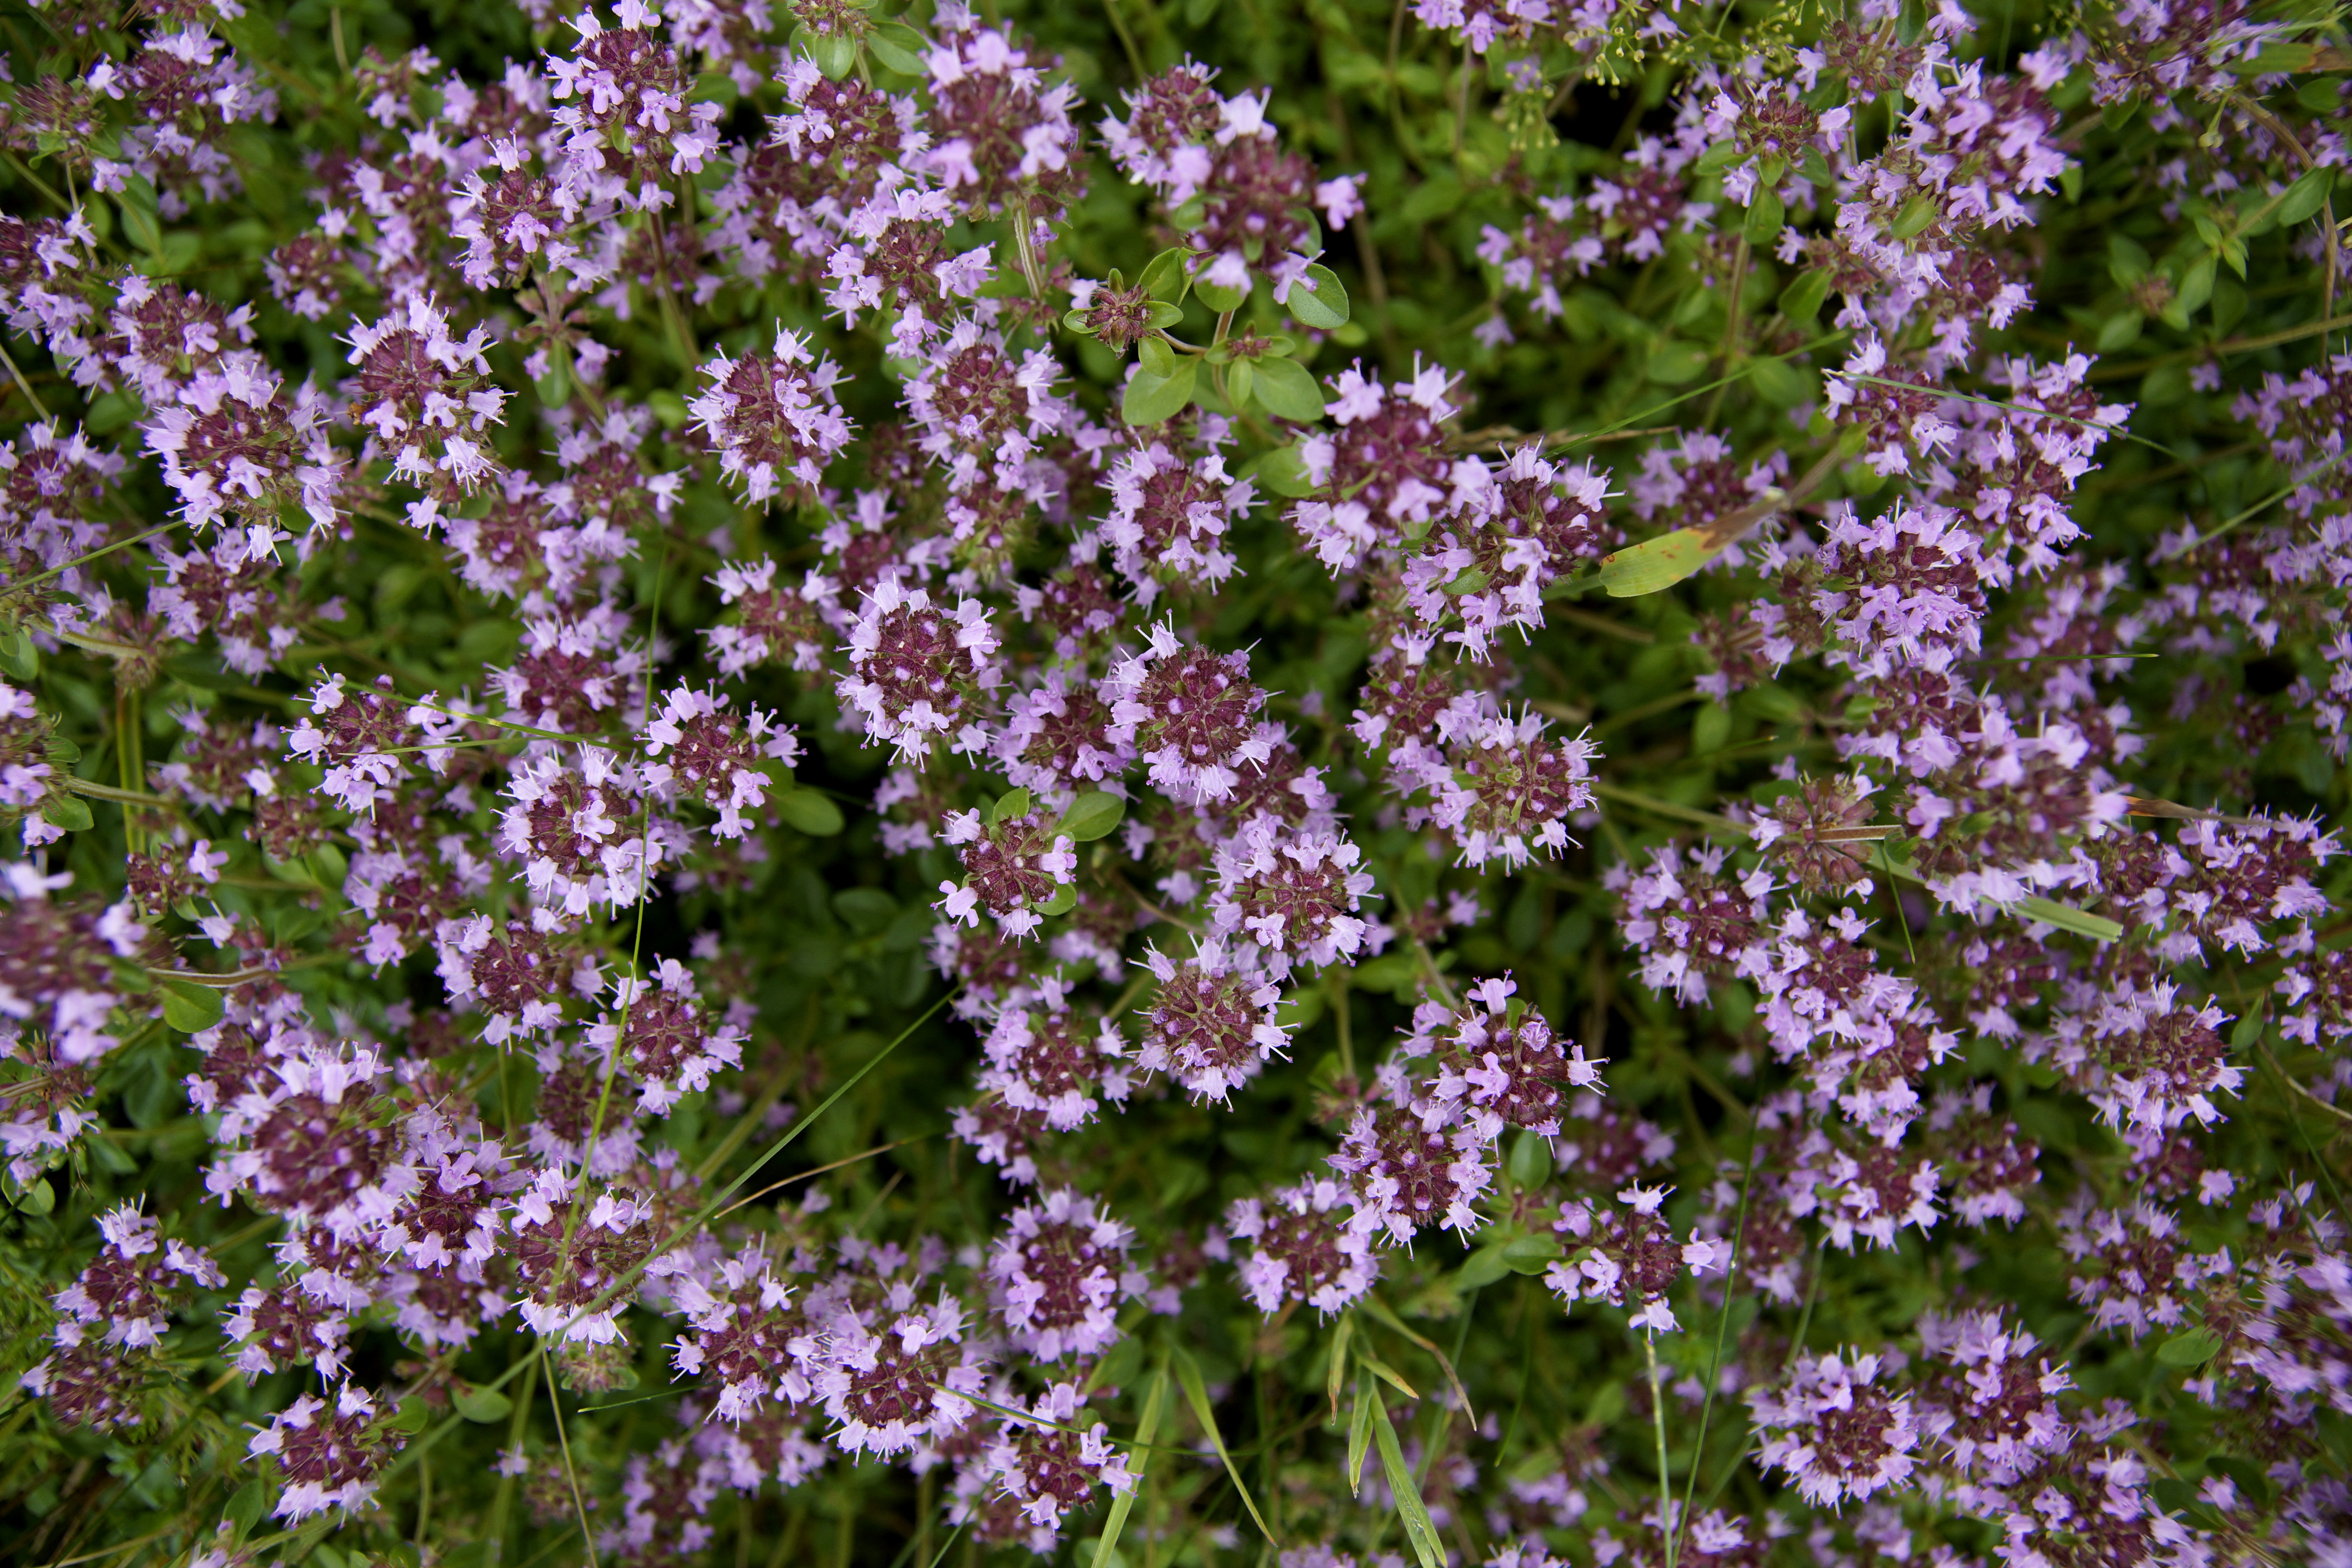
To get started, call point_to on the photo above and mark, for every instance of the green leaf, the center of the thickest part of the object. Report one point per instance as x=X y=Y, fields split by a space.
x=2195 y=288
x=1286 y=390
x=1164 y=277
x=1419 y=1530
x=1322 y=303
x=1337 y=1374
x=141 y=227
x=2120 y=330
x=1531 y=1254
x=188 y=1006
x=668 y=407
x=244 y=1509
x=1064 y=899
x=836 y=54
x=898 y=47
x=1076 y=320
x=1161 y=316
x=1240 y=381
x=484 y=1405
x=1917 y=214
x=412 y=1415
x=179 y=253
x=1657 y=563
x=2277 y=59
x=1092 y=816
x=1149 y=398
x=327 y=867
x=1710 y=728
x=2248 y=1032
x=110 y=412
x=1802 y=300
x=1531 y=1160
x=2164 y=384
x=1360 y=1433
x=554 y=388
x=1766 y=215
x=1672 y=362
x=1388 y=1374
x=2127 y=260
x=70 y=812
x=41 y=1197
x=2067 y=917
x=1482 y=1269
x=1780 y=383
x=1217 y=296
x=18 y=657
x=2189 y=1348
x=2305 y=196
x=1717 y=159
x=1196 y=1394
x=1013 y=802
x=1156 y=357
x=1146 y=1431
x=811 y=812
x=1284 y=472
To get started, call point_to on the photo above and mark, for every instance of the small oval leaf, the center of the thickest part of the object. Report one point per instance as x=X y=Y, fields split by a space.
x=1217 y=296
x=897 y=47
x=1481 y=1268
x=812 y=813
x=1284 y=472
x=1657 y=563
x=244 y=1509
x=1164 y=277
x=1802 y=300
x=1287 y=391
x=2305 y=198
x=1149 y=398
x=190 y=1007
x=1322 y=303
x=1092 y=816
x=484 y=1405
x=1530 y=1254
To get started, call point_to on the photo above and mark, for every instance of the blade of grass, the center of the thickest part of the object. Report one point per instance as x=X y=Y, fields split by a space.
x=1390 y=1376
x=1196 y=1393
x=1658 y=1423
x=1722 y=1330
x=502 y=1503
x=1386 y=1314
x=1360 y=1433
x=1338 y=1372
x=1419 y=1528
x=1145 y=1431
x=555 y=1403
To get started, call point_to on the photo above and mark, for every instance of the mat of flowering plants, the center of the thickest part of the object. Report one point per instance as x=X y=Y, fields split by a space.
x=1321 y=783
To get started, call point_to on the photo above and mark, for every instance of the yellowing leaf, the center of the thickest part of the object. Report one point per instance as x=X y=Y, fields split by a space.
x=1657 y=563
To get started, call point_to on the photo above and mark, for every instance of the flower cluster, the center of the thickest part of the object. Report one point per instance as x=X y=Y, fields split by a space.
x=831 y=774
